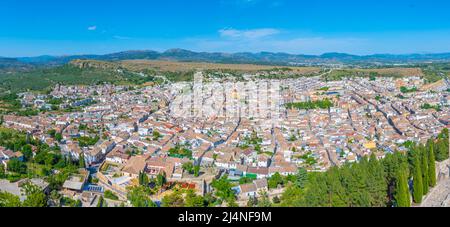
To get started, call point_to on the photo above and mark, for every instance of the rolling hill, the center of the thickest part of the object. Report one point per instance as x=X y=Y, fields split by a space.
x=265 y=58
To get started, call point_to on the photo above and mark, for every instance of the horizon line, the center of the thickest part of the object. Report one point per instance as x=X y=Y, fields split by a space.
x=221 y=52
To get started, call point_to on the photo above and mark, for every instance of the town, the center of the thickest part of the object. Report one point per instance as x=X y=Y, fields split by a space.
x=216 y=141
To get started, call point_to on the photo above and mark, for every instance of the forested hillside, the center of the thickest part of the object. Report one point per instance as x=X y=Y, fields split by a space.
x=372 y=182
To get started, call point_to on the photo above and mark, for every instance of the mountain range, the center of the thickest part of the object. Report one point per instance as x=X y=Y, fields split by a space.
x=267 y=58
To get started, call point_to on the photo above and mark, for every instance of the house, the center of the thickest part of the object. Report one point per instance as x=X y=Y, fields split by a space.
x=178 y=173
x=93 y=156
x=261 y=184
x=207 y=159
x=135 y=165
x=235 y=175
x=225 y=161
x=118 y=155
x=252 y=189
x=73 y=150
x=107 y=146
x=286 y=169
x=247 y=190
x=263 y=161
x=259 y=172
x=6 y=155
x=76 y=182
x=157 y=165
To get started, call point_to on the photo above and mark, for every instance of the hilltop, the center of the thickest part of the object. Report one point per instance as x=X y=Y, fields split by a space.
x=261 y=58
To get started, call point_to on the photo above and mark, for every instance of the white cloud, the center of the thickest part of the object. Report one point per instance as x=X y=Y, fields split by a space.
x=92 y=28
x=248 y=34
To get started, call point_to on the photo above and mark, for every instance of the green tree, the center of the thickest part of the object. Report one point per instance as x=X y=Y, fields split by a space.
x=441 y=148
x=196 y=171
x=223 y=188
x=301 y=177
x=188 y=167
x=35 y=196
x=252 y=201
x=424 y=169
x=27 y=152
x=2 y=171
x=264 y=200
x=110 y=195
x=417 y=181
x=402 y=195
x=55 y=197
x=143 y=179
x=193 y=200
x=100 y=202
x=161 y=179
x=9 y=200
x=393 y=164
x=231 y=202
x=293 y=196
x=140 y=197
x=174 y=199
x=376 y=182
x=245 y=180
x=275 y=180
x=82 y=161
x=17 y=166
x=432 y=164
x=58 y=137
x=156 y=135
x=51 y=133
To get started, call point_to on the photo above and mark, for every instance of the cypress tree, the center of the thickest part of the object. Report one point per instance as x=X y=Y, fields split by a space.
x=402 y=195
x=425 y=181
x=81 y=162
x=145 y=179
x=100 y=202
x=431 y=165
x=418 y=181
x=140 y=178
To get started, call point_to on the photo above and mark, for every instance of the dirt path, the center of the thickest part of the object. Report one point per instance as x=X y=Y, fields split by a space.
x=439 y=196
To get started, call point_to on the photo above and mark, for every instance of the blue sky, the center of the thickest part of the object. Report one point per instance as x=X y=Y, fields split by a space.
x=31 y=28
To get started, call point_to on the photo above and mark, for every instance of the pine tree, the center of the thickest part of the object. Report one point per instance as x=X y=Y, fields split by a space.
x=424 y=170
x=431 y=165
x=418 y=181
x=402 y=195
x=376 y=180
x=301 y=178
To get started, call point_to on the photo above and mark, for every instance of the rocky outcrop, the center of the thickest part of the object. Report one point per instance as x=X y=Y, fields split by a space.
x=85 y=64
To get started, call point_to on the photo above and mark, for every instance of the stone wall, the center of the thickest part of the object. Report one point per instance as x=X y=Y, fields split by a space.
x=443 y=170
